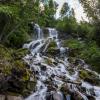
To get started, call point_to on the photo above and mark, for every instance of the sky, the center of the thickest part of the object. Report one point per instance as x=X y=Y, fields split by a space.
x=79 y=12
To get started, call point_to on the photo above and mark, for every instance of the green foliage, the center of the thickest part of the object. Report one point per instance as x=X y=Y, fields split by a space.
x=67 y=25
x=71 y=26
x=91 y=53
x=86 y=30
x=73 y=44
x=18 y=38
x=15 y=16
x=46 y=17
x=64 y=9
x=87 y=50
x=92 y=8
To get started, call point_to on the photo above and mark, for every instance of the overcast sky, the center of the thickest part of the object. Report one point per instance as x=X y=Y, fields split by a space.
x=79 y=13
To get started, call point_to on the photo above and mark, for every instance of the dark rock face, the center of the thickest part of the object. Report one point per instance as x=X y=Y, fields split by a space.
x=63 y=36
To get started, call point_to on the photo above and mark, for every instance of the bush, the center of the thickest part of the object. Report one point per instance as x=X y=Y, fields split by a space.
x=67 y=25
x=18 y=38
x=88 y=51
x=73 y=44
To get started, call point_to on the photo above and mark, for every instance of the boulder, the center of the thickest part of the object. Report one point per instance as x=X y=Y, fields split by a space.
x=89 y=77
x=64 y=89
x=14 y=97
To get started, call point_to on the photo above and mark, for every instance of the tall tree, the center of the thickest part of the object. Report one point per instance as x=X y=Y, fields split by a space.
x=64 y=10
x=92 y=8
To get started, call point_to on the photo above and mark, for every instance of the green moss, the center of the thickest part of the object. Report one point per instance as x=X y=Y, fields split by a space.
x=84 y=74
x=89 y=51
x=52 y=44
x=90 y=77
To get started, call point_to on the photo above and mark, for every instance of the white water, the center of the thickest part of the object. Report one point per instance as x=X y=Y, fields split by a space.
x=53 y=75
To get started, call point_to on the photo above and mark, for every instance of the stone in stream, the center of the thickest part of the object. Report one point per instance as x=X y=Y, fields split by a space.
x=90 y=97
x=64 y=89
x=77 y=96
x=43 y=68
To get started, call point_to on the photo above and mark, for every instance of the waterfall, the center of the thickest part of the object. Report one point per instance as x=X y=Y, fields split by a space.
x=38 y=31
x=53 y=33
x=55 y=81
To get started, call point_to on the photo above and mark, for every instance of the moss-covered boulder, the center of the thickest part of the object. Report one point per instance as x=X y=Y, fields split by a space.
x=52 y=49
x=89 y=76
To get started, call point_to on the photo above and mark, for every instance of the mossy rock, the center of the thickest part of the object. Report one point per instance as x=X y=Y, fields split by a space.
x=52 y=44
x=53 y=51
x=89 y=77
x=48 y=61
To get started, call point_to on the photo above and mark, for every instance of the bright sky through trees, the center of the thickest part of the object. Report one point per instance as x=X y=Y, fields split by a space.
x=79 y=13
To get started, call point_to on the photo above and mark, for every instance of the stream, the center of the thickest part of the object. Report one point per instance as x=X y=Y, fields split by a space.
x=54 y=79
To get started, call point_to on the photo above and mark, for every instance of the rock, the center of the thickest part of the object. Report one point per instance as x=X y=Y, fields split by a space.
x=2 y=97
x=91 y=97
x=20 y=53
x=53 y=51
x=48 y=61
x=89 y=77
x=43 y=68
x=14 y=97
x=77 y=96
x=51 y=88
x=64 y=89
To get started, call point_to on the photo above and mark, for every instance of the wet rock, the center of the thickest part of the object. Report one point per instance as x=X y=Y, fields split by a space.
x=48 y=61
x=51 y=88
x=14 y=97
x=77 y=96
x=43 y=68
x=73 y=52
x=46 y=33
x=91 y=97
x=89 y=77
x=64 y=89
x=49 y=96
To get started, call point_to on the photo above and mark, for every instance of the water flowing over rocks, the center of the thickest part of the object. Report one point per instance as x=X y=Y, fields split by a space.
x=58 y=76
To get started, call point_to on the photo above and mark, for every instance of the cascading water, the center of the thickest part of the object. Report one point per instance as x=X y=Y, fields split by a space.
x=54 y=80
x=38 y=31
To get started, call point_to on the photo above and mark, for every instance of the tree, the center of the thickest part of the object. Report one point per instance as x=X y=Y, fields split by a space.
x=64 y=10
x=92 y=8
